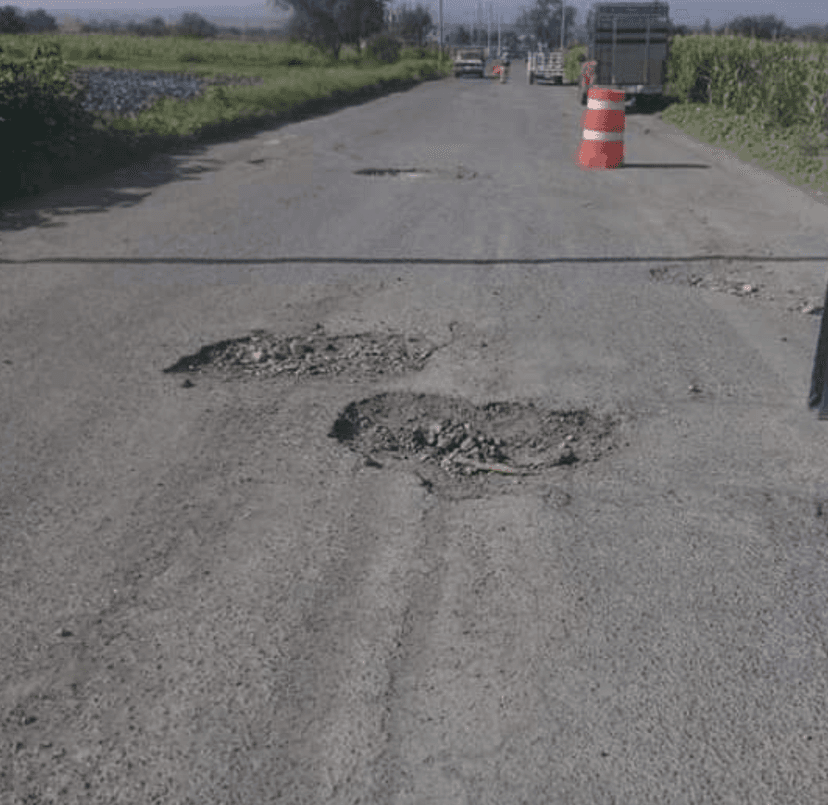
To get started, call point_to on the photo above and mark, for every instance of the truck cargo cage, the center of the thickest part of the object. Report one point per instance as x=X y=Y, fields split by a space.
x=545 y=66
x=628 y=43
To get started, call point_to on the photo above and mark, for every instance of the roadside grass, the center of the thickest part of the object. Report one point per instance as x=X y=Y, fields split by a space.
x=299 y=80
x=797 y=153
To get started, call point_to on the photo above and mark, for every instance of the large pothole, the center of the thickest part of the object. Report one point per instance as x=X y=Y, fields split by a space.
x=262 y=354
x=451 y=441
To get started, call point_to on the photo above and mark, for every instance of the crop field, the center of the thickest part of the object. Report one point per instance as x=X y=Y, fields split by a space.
x=767 y=102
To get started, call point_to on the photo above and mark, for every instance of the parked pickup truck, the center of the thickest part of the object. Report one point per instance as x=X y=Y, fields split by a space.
x=545 y=66
x=469 y=61
x=627 y=44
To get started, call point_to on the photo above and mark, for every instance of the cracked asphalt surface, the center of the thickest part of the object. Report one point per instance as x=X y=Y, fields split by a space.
x=204 y=598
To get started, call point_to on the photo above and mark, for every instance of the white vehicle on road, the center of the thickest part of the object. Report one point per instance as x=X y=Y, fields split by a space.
x=545 y=66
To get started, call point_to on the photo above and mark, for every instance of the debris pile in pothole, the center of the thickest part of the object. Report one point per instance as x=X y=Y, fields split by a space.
x=808 y=308
x=508 y=438
x=735 y=287
x=263 y=354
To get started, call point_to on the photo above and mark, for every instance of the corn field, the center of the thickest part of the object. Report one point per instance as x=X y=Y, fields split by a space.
x=780 y=84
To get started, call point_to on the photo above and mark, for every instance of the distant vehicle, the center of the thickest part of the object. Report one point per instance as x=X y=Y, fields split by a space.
x=545 y=66
x=627 y=45
x=470 y=61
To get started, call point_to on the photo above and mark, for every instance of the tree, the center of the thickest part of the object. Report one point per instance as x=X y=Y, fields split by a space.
x=40 y=22
x=764 y=27
x=107 y=26
x=462 y=36
x=358 y=19
x=707 y=27
x=812 y=32
x=412 y=23
x=153 y=27
x=543 y=22
x=11 y=22
x=330 y=24
x=195 y=25
x=509 y=41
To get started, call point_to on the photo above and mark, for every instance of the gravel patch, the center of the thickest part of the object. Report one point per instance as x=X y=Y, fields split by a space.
x=454 y=444
x=264 y=354
x=757 y=282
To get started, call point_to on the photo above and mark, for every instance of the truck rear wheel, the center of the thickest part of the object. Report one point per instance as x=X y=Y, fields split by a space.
x=531 y=77
x=583 y=98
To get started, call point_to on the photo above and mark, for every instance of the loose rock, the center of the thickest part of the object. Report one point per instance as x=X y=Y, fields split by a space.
x=466 y=441
x=264 y=354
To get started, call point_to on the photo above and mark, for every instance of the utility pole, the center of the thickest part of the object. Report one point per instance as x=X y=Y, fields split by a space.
x=563 y=23
x=489 y=34
x=441 y=30
x=499 y=51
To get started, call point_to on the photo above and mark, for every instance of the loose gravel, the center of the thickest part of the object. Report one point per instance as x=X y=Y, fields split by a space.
x=455 y=445
x=263 y=354
x=740 y=282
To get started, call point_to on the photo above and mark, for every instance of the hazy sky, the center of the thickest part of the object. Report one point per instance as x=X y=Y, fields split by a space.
x=688 y=12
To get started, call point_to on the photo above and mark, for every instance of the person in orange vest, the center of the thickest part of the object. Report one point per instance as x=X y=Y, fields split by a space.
x=818 y=398
x=505 y=61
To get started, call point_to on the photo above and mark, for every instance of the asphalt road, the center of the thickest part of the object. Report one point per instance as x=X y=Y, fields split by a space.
x=205 y=598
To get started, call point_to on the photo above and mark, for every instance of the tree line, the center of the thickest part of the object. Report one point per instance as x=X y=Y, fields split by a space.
x=327 y=23
x=331 y=24
x=36 y=22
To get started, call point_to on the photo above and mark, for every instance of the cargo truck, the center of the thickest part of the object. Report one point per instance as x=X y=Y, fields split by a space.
x=627 y=49
x=545 y=66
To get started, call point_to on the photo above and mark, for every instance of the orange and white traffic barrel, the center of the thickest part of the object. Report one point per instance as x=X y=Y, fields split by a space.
x=602 y=144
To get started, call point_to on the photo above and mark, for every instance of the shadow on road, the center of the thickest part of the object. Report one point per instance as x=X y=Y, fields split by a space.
x=146 y=161
x=651 y=106
x=663 y=165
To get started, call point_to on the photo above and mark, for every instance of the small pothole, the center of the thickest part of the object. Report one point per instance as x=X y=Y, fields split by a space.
x=711 y=282
x=452 y=441
x=389 y=171
x=460 y=172
x=264 y=354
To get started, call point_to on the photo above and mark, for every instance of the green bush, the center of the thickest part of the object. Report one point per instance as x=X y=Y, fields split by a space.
x=383 y=48
x=40 y=108
x=416 y=53
x=572 y=64
x=45 y=133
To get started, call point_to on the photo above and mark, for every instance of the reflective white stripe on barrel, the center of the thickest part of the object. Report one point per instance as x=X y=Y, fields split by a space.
x=606 y=136
x=596 y=104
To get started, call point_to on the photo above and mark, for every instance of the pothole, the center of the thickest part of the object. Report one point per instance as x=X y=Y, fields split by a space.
x=451 y=441
x=735 y=287
x=389 y=171
x=262 y=354
x=460 y=172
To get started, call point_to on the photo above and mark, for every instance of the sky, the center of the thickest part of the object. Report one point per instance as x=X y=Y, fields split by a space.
x=687 y=12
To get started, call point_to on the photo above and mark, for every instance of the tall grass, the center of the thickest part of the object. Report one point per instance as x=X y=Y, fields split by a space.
x=765 y=101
